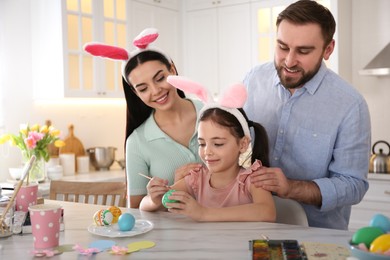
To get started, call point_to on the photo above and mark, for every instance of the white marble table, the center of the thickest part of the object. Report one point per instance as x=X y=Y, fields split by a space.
x=176 y=237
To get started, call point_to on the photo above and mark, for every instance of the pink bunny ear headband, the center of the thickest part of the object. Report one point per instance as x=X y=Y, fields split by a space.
x=232 y=99
x=141 y=42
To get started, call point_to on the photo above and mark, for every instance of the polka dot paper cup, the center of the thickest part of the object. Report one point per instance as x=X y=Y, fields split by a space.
x=26 y=197
x=45 y=224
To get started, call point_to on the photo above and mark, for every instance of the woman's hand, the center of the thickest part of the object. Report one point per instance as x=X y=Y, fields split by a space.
x=183 y=171
x=187 y=205
x=156 y=189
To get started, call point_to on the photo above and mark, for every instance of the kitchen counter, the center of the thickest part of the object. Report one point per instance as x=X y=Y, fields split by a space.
x=378 y=176
x=98 y=176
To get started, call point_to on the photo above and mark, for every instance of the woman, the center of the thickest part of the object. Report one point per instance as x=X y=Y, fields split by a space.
x=161 y=123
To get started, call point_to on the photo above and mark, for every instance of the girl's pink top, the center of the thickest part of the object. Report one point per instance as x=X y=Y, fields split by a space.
x=235 y=193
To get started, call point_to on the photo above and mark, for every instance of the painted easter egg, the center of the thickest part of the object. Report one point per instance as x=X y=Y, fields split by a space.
x=380 y=244
x=380 y=221
x=366 y=235
x=165 y=198
x=116 y=212
x=126 y=222
x=103 y=217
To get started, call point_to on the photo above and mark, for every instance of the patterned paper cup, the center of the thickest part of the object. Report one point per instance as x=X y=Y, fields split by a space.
x=27 y=196
x=45 y=224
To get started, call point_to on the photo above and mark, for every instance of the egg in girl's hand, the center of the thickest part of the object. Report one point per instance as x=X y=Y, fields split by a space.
x=380 y=221
x=381 y=244
x=116 y=212
x=103 y=217
x=165 y=198
x=126 y=222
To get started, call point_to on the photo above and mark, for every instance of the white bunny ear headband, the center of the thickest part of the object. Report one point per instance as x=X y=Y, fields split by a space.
x=232 y=99
x=141 y=42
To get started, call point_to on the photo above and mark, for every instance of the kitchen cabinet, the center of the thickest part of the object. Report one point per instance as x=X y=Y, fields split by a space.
x=164 y=16
x=376 y=200
x=170 y=4
x=61 y=68
x=217 y=50
x=204 y=4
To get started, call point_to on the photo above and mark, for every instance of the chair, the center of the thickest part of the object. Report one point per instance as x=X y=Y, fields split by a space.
x=290 y=212
x=102 y=193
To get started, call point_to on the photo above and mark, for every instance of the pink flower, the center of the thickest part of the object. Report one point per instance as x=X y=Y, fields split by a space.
x=86 y=251
x=32 y=139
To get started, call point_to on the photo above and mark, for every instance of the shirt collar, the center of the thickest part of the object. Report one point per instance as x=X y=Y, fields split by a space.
x=312 y=85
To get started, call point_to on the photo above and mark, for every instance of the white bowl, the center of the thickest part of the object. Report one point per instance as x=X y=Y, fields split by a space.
x=55 y=172
x=16 y=173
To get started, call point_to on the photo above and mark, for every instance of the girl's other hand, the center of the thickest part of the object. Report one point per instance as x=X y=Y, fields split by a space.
x=186 y=205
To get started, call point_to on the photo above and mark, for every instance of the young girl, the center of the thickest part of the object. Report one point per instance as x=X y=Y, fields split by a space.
x=161 y=123
x=221 y=190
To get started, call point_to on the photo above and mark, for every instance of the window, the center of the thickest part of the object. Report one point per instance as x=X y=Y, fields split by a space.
x=94 y=21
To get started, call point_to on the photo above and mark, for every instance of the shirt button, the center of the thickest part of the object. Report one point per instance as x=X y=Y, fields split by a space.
x=314 y=135
x=281 y=131
x=276 y=158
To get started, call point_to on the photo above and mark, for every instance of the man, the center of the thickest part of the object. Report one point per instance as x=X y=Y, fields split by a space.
x=318 y=125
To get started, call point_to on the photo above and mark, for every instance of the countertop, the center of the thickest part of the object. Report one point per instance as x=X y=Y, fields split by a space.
x=378 y=176
x=98 y=176
x=175 y=236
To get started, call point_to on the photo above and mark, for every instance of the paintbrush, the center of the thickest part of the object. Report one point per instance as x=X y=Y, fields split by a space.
x=26 y=169
x=147 y=177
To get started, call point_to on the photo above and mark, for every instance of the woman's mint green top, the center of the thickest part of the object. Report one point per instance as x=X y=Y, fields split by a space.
x=152 y=152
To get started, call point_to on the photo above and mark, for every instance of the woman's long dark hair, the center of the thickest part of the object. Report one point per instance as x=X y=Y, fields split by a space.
x=260 y=149
x=137 y=112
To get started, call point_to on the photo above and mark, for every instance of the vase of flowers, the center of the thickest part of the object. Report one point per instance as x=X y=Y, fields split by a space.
x=34 y=140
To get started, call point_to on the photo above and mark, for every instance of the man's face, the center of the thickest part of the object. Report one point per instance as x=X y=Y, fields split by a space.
x=299 y=53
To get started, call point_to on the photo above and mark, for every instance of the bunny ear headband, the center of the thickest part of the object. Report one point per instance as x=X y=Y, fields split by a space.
x=232 y=99
x=141 y=42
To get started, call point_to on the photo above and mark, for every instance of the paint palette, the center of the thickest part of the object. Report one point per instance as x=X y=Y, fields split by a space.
x=276 y=250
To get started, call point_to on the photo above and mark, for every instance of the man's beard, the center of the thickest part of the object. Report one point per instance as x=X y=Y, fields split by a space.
x=288 y=82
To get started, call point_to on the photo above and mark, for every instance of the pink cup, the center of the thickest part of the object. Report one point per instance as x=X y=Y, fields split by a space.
x=27 y=196
x=45 y=224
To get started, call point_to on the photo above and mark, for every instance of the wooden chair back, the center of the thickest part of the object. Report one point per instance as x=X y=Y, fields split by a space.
x=102 y=193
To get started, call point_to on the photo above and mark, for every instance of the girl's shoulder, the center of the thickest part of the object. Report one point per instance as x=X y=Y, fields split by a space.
x=245 y=173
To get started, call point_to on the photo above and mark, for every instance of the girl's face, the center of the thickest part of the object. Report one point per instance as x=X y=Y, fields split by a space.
x=149 y=81
x=218 y=148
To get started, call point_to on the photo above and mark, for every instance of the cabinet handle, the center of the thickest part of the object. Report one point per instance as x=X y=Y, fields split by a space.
x=387 y=192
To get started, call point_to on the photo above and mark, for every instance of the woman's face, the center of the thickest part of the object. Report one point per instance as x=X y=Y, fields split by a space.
x=150 y=83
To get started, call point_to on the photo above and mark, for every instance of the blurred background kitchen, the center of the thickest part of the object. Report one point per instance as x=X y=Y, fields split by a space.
x=45 y=75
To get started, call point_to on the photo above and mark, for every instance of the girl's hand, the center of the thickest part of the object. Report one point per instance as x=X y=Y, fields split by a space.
x=183 y=171
x=156 y=189
x=187 y=205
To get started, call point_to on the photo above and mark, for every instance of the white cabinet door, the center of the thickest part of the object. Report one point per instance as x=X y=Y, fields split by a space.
x=201 y=59
x=170 y=4
x=234 y=44
x=218 y=47
x=167 y=22
x=376 y=200
x=204 y=4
